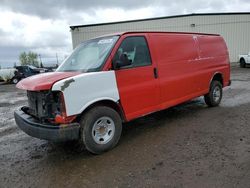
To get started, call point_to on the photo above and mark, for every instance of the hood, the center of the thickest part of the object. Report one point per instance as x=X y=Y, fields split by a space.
x=43 y=81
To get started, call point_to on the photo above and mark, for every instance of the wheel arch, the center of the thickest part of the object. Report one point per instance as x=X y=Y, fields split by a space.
x=105 y=102
x=242 y=58
x=218 y=76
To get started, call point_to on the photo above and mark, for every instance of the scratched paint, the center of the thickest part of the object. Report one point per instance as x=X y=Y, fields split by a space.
x=67 y=83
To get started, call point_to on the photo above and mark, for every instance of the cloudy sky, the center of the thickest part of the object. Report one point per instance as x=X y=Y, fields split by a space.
x=43 y=26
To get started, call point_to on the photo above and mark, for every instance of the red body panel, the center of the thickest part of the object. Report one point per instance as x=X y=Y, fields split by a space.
x=176 y=56
x=186 y=64
x=43 y=81
x=138 y=89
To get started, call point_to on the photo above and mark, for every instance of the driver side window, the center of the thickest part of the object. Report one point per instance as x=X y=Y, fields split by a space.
x=137 y=51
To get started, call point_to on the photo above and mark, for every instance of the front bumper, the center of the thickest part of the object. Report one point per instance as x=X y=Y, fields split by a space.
x=57 y=133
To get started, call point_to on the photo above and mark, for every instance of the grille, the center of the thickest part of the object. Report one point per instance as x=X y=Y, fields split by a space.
x=37 y=104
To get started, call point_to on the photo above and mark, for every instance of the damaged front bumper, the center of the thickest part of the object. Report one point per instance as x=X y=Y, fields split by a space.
x=57 y=133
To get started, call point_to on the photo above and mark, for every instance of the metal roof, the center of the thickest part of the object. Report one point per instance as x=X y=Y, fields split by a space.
x=158 y=18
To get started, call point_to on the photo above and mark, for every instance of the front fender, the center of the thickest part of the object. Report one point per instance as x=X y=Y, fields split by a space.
x=85 y=89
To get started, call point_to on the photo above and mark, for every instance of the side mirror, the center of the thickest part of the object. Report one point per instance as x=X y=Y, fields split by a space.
x=122 y=62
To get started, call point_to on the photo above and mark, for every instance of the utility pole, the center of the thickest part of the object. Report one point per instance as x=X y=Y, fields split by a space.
x=40 y=59
x=56 y=59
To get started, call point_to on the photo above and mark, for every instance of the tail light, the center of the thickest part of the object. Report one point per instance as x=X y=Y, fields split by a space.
x=62 y=118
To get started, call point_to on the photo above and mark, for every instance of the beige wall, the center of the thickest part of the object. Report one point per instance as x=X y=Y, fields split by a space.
x=235 y=28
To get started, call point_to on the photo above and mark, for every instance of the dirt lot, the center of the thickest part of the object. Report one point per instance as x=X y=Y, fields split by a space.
x=186 y=146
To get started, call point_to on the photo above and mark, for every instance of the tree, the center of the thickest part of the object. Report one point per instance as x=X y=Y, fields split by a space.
x=23 y=58
x=29 y=59
x=32 y=59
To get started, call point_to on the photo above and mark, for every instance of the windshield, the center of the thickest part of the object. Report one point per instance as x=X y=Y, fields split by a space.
x=32 y=67
x=89 y=56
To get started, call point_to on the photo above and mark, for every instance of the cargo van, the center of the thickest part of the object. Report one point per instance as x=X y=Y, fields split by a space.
x=117 y=78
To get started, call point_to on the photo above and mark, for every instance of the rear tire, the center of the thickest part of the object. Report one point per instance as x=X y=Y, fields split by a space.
x=242 y=63
x=213 y=98
x=101 y=129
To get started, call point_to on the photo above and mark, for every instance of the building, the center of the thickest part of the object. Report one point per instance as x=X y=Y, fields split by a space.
x=234 y=27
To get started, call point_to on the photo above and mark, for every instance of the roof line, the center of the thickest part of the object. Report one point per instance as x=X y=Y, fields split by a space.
x=158 y=18
x=170 y=32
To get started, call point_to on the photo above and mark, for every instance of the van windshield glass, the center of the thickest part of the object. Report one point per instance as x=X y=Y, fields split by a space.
x=89 y=56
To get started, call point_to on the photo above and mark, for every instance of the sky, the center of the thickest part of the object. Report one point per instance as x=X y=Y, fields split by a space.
x=43 y=26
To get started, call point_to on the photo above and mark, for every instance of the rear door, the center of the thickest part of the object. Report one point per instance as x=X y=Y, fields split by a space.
x=137 y=83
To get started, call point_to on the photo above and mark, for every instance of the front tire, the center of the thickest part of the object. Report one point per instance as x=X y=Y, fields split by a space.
x=101 y=129
x=242 y=63
x=14 y=80
x=213 y=98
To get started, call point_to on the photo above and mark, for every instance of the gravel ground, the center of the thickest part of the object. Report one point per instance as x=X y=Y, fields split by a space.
x=190 y=145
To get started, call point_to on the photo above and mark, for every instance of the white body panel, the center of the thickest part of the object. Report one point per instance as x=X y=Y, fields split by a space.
x=7 y=74
x=86 y=89
x=246 y=58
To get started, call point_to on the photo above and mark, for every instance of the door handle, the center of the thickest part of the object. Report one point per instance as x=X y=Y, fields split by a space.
x=155 y=72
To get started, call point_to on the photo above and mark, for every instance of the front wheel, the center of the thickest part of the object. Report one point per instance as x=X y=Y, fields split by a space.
x=242 y=63
x=214 y=96
x=15 y=80
x=101 y=129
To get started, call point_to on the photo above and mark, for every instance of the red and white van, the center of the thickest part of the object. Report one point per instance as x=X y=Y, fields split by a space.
x=117 y=78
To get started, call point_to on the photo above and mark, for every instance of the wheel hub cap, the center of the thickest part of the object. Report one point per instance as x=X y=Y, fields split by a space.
x=103 y=130
x=216 y=94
